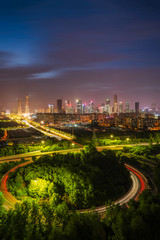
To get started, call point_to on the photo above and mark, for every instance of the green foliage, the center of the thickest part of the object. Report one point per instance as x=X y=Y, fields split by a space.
x=81 y=180
x=38 y=187
x=49 y=145
x=31 y=220
x=140 y=221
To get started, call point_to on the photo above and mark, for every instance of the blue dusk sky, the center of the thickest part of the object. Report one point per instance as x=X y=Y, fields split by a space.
x=86 y=49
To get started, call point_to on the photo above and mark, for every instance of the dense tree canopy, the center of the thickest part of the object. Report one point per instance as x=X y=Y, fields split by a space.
x=82 y=180
x=40 y=221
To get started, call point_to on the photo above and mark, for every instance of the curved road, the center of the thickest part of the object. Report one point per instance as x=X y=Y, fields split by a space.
x=139 y=184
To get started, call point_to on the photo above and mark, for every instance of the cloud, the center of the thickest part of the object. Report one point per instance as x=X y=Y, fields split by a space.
x=5 y=58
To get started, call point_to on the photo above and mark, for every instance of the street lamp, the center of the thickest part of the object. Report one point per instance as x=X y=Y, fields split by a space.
x=127 y=140
x=111 y=136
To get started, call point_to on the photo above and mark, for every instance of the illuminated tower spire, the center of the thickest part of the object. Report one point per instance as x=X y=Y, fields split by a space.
x=19 y=106
x=27 y=104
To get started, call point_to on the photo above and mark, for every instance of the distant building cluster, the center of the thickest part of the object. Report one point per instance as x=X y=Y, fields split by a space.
x=81 y=107
x=116 y=114
x=26 y=110
x=122 y=120
x=109 y=114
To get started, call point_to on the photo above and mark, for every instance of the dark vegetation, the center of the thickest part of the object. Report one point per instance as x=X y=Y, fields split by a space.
x=81 y=180
x=47 y=145
x=10 y=124
x=102 y=135
x=41 y=221
x=51 y=219
x=6 y=166
x=146 y=159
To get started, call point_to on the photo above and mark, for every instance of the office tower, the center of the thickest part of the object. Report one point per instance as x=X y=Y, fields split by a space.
x=19 y=106
x=127 y=107
x=114 y=99
x=120 y=107
x=50 y=108
x=79 y=106
x=107 y=107
x=27 y=105
x=136 y=107
x=115 y=104
x=102 y=108
x=59 y=105
x=91 y=107
x=84 y=108
x=68 y=107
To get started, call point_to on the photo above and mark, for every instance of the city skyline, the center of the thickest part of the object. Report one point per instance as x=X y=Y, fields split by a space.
x=24 y=106
x=52 y=49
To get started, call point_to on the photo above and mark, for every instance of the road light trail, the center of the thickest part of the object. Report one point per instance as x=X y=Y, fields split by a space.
x=59 y=136
x=142 y=179
x=139 y=184
x=9 y=198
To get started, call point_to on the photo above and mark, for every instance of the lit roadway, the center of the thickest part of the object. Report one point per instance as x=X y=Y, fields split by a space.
x=45 y=132
x=39 y=153
x=139 y=184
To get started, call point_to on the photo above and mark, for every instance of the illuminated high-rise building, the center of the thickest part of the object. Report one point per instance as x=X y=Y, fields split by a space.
x=68 y=107
x=102 y=108
x=59 y=105
x=136 y=107
x=114 y=99
x=120 y=107
x=84 y=108
x=27 y=105
x=115 y=104
x=50 y=108
x=107 y=107
x=91 y=107
x=127 y=107
x=79 y=106
x=19 y=106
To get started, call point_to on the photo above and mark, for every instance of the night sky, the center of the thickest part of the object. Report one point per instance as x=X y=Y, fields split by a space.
x=86 y=49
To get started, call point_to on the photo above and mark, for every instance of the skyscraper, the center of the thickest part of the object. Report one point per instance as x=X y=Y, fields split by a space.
x=120 y=107
x=114 y=99
x=27 y=105
x=50 y=108
x=68 y=107
x=84 y=108
x=127 y=107
x=19 y=106
x=79 y=106
x=115 y=104
x=59 y=105
x=91 y=107
x=136 y=107
x=107 y=107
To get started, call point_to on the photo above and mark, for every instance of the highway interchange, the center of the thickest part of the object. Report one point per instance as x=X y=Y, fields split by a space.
x=139 y=182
